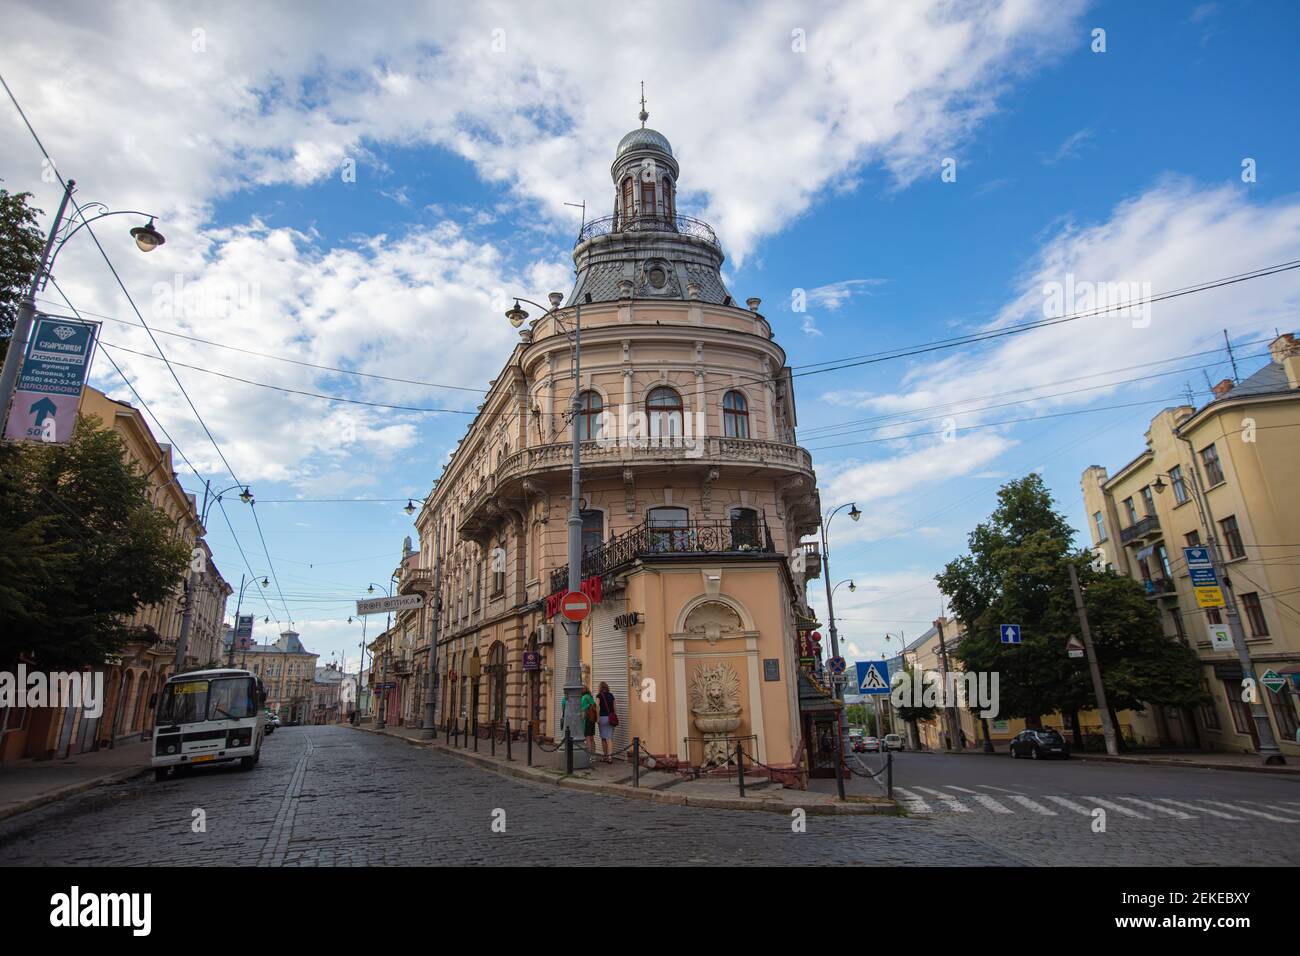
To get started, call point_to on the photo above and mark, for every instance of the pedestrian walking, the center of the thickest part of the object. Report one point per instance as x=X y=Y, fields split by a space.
x=590 y=713
x=608 y=719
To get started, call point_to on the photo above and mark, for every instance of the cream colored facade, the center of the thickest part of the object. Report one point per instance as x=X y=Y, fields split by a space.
x=1243 y=451
x=687 y=534
x=288 y=671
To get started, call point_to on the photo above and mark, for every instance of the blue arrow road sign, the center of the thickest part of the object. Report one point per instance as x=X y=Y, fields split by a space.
x=873 y=677
x=1010 y=633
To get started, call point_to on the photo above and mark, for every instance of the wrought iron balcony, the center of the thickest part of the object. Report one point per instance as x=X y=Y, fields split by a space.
x=645 y=541
x=1148 y=527
x=681 y=225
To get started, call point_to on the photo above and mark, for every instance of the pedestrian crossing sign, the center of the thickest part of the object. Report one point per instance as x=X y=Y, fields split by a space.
x=873 y=677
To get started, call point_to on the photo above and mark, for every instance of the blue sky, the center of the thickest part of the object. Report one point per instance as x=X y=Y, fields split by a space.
x=820 y=169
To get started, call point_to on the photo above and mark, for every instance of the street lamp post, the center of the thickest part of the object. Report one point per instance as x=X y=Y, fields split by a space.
x=147 y=238
x=187 y=615
x=1268 y=748
x=573 y=670
x=429 y=731
x=381 y=723
x=239 y=604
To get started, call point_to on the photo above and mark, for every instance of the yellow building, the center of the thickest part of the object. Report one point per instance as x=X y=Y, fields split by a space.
x=1243 y=453
x=695 y=495
x=288 y=671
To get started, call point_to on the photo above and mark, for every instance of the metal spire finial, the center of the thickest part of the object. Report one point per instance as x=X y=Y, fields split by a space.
x=643 y=114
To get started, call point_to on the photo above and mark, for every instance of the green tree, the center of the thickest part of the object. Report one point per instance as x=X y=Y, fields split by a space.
x=81 y=549
x=20 y=251
x=1016 y=572
x=910 y=715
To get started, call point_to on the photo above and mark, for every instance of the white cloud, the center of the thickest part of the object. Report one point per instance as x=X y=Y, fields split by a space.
x=833 y=295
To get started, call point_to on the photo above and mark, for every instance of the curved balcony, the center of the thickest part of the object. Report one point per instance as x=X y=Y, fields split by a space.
x=679 y=225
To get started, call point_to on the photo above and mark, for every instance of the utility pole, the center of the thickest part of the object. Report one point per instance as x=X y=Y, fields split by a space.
x=1098 y=689
x=950 y=712
x=429 y=731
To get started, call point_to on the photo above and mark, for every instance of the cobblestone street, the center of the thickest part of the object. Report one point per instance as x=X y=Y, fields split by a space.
x=330 y=796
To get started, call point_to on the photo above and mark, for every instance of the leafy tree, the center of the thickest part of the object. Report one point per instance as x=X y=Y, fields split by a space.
x=20 y=251
x=1017 y=572
x=911 y=715
x=81 y=549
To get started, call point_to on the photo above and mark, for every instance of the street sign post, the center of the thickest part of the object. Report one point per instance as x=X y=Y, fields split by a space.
x=384 y=605
x=575 y=606
x=1010 y=633
x=873 y=677
x=1220 y=637
x=1198 y=558
x=837 y=665
x=1210 y=597
x=1074 y=647
x=54 y=370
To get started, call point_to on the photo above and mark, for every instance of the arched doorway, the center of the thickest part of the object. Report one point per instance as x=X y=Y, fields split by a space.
x=496 y=683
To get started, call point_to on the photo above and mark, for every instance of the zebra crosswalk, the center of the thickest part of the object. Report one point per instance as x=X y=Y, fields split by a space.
x=953 y=799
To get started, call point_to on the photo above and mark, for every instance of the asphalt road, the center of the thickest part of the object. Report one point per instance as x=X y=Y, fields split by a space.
x=329 y=796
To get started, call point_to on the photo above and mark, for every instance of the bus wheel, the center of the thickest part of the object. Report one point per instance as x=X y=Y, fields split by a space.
x=159 y=774
x=247 y=763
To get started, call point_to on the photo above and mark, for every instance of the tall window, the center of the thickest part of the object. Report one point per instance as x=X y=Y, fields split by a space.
x=1232 y=537
x=670 y=206
x=590 y=408
x=1163 y=555
x=1149 y=501
x=735 y=415
x=1213 y=467
x=1100 y=524
x=1193 y=539
x=1284 y=708
x=496 y=670
x=628 y=211
x=1130 y=511
x=664 y=410
x=744 y=528
x=593 y=530
x=671 y=523
x=1255 y=614
x=648 y=198
x=1209 y=713
x=1241 y=716
x=1213 y=616
x=1179 y=483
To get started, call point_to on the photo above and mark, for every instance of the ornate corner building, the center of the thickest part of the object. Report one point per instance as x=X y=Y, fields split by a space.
x=695 y=496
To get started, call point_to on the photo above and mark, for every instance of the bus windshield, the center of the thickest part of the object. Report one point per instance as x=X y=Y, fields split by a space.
x=192 y=701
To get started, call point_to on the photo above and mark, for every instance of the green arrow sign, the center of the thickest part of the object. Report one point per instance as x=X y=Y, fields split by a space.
x=1272 y=680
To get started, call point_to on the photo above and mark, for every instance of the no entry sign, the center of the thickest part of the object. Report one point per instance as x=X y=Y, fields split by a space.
x=575 y=606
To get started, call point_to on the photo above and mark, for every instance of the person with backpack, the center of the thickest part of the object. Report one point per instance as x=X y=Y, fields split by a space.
x=590 y=714
x=608 y=719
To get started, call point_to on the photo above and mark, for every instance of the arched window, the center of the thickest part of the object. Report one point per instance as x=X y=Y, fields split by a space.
x=670 y=207
x=590 y=408
x=735 y=415
x=663 y=409
x=648 y=198
x=628 y=211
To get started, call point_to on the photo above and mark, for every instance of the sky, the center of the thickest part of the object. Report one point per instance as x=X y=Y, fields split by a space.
x=349 y=200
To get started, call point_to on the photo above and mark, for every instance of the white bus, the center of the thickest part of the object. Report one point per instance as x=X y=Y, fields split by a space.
x=213 y=716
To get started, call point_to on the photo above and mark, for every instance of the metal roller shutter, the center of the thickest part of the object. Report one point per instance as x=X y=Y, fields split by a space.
x=609 y=646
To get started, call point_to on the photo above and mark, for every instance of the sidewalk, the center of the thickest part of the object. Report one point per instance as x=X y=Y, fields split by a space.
x=656 y=786
x=28 y=784
x=1198 y=759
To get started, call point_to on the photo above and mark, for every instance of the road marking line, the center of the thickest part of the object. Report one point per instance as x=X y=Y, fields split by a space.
x=1036 y=807
x=1115 y=806
x=1253 y=813
x=951 y=786
x=913 y=800
x=1192 y=806
x=1071 y=805
x=1178 y=814
x=985 y=800
x=1274 y=806
x=989 y=786
x=948 y=799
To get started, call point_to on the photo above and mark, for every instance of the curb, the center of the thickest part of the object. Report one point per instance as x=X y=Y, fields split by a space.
x=1154 y=761
x=646 y=794
x=72 y=789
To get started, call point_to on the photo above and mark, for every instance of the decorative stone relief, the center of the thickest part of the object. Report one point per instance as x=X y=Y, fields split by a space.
x=715 y=702
x=713 y=621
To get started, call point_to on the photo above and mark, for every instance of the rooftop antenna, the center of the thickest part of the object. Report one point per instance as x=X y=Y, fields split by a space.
x=1191 y=395
x=1231 y=358
x=643 y=114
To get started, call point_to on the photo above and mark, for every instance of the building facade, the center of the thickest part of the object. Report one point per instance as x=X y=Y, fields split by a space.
x=1239 y=455
x=288 y=671
x=695 y=497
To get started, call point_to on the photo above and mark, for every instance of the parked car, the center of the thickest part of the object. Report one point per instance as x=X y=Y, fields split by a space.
x=871 y=745
x=272 y=722
x=893 y=742
x=1038 y=744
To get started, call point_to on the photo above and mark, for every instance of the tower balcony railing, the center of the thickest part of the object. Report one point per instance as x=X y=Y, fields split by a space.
x=681 y=225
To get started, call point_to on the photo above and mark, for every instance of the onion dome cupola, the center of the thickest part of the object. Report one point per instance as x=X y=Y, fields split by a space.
x=645 y=250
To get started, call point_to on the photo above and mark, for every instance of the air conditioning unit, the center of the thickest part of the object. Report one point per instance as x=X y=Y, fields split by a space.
x=544 y=635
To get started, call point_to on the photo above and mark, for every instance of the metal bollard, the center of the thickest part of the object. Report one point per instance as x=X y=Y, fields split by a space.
x=447 y=727
x=740 y=767
x=530 y=743
x=568 y=751
x=839 y=764
x=476 y=734
x=494 y=738
x=636 y=761
x=509 y=738
x=889 y=774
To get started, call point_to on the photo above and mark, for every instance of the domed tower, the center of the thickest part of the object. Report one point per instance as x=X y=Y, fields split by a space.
x=645 y=250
